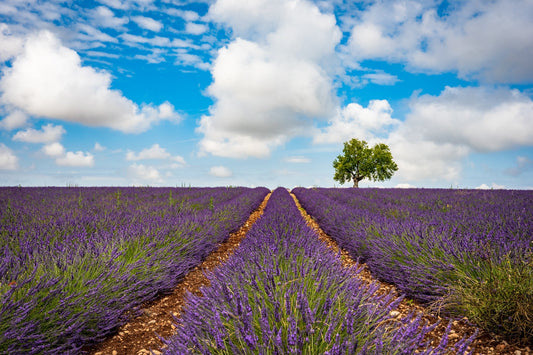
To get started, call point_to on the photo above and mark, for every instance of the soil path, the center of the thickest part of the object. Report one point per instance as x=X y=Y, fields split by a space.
x=139 y=335
x=484 y=344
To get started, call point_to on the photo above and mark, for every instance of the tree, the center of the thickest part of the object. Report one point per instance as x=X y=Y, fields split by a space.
x=361 y=162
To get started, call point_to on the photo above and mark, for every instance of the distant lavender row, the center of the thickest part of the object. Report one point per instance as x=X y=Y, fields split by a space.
x=284 y=292
x=75 y=263
x=469 y=252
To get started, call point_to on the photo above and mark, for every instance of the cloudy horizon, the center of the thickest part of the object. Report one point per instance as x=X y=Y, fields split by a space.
x=264 y=92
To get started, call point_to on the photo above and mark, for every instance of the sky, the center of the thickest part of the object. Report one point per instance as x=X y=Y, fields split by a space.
x=264 y=92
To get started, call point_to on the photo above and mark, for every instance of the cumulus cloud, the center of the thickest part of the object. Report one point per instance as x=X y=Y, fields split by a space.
x=220 y=171
x=11 y=44
x=143 y=173
x=76 y=159
x=47 y=134
x=490 y=40
x=481 y=118
x=48 y=80
x=147 y=23
x=440 y=131
x=272 y=80
x=355 y=120
x=155 y=152
x=64 y=158
x=54 y=150
x=421 y=159
x=8 y=160
x=14 y=119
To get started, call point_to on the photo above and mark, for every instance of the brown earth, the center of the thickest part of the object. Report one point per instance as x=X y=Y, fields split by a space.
x=139 y=336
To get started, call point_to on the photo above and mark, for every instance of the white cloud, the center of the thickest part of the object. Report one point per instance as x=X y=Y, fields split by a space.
x=87 y=33
x=186 y=59
x=144 y=173
x=155 y=152
x=54 y=150
x=405 y=186
x=147 y=23
x=492 y=186
x=421 y=159
x=154 y=57
x=8 y=160
x=157 y=41
x=48 y=80
x=15 y=119
x=11 y=44
x=220 y=171
x=490 y=40
x=381 y=78
x=64 y=158
x=273 y=80
x=440 y=131
x=195 y=28
x=128 y=4
x=297 y=160
x=98 y=147
x=484 y=119
x=355 y=120
x=187 y=15
x=105 y=17
x=116 y=4
x=47 y=134
x=77 y=159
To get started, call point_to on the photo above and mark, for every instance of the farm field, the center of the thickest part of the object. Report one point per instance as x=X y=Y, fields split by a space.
x=77 y=263
x=466 y=253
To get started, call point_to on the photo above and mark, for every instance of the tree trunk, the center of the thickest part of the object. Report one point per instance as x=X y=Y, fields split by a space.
x=355 y=182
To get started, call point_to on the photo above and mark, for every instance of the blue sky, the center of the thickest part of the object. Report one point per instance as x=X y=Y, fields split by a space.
x=264 y=92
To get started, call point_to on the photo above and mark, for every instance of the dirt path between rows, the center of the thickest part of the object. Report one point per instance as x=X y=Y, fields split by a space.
x=139 y=335
x=484 y=344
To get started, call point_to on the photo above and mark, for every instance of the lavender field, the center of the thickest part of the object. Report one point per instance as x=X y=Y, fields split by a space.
x=285 y=292
x=76 y=263
x=463 y=252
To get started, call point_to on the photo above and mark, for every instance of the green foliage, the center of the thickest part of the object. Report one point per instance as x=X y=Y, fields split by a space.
x=495 y=294
x=359 y=162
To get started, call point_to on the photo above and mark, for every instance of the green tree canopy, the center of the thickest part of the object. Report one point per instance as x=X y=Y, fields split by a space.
x=359 y=162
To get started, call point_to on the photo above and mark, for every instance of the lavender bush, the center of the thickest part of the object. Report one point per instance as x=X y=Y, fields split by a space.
x=466 y=252
x=284 y=292
x=75 y=263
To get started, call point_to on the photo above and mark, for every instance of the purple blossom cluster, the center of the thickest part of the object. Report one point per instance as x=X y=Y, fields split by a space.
x=284 y=292
x=76 y=263
x=439 y=246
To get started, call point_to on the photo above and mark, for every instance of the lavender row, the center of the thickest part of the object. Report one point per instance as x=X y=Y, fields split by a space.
x=76 y=263
x=469 y=253
x=284 y=292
